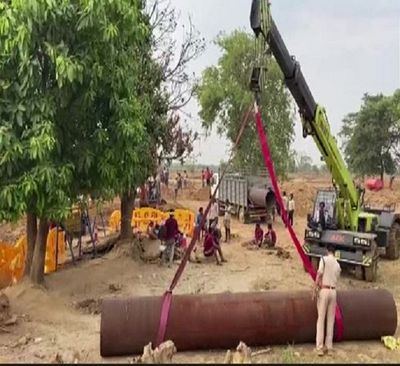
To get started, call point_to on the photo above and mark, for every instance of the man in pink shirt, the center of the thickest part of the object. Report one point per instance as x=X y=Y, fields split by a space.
x=212 y=247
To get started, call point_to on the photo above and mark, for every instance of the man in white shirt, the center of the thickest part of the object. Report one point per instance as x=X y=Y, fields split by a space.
x=327 y=278
x=285 y=201
x=213 y=213
x=291 y=208
x=227 y=221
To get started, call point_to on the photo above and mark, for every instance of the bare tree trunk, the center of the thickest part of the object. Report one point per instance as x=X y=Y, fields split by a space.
x=127 y=206
x=31 y=232
x=37 y=268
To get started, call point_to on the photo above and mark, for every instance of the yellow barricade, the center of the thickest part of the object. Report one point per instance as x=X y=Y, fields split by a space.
x=141 y=218
x=115 y=220
x=50 y=260
x=12 y=257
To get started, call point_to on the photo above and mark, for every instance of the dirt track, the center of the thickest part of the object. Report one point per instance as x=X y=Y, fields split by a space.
x=56 y=321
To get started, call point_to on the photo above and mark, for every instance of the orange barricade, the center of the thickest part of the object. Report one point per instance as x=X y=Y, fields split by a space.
x=12 y=262
x=12 y=257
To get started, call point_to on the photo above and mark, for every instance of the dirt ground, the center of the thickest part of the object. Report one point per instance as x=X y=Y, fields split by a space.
x=64 y=319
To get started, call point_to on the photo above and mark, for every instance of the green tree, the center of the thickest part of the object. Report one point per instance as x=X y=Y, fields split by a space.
x=67 y=92
x=224 y=97
x=371 y=136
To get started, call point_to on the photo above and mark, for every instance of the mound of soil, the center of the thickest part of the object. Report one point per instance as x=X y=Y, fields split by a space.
x=202 y=194
x=304 y=195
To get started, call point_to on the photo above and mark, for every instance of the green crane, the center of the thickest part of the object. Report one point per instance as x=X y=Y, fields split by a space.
x=356 y=231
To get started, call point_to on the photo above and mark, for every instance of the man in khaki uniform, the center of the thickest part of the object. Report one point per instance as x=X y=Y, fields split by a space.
x=327 y=278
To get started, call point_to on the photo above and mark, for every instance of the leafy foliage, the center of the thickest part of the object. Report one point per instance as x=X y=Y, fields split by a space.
x=224 y=97
x=72 y=109
x=372 y=135
x=68 y=91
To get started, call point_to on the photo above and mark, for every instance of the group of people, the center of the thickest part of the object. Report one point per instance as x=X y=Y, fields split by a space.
x=212 y=218
x=181 y=182
x=261 y=240
x=207 y=228
x=207 y=177
x=174 y=242
x=289 y=205
x=164 y=176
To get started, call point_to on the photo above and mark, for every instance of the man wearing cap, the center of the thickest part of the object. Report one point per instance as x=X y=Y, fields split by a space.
x=172 y=230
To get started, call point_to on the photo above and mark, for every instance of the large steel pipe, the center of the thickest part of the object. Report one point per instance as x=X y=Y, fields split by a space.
x=221 y=321
x=261 y=197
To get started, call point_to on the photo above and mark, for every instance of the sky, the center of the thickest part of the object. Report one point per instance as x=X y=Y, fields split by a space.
x=345 y=47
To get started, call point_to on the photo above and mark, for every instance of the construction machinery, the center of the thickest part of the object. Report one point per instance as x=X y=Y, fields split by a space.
x=339 y=218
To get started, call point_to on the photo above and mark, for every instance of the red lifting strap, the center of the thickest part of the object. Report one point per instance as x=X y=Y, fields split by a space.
x=306 y=262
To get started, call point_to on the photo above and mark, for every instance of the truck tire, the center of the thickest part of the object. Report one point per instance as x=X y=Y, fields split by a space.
x=371 y=272
x=315 y=263
x=243 y=218
x=393 y=249
x=359 y=272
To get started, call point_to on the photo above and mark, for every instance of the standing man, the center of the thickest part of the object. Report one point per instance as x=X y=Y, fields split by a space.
x=203 y=178
x=227 y=221
x=172 y=230
x=176 y=188
x=391 y=181
x=273 y=206
x=213 y=213
x=199 y=219
x=291 y=208
x=208 y=177
x=285 y=201
x=321 y=215
x=180 y=180
x=185 y=179
x=326 y=281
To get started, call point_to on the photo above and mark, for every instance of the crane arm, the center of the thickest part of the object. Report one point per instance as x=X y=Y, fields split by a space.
x=313 y=116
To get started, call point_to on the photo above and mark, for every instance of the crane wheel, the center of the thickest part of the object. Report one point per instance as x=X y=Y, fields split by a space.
x=393 y=249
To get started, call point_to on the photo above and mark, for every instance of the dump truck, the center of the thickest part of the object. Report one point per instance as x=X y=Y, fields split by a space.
x=249 y=193
x=339 y=217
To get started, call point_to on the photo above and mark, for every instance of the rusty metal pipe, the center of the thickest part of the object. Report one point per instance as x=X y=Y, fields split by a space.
x=220 y=321
x=261 y=197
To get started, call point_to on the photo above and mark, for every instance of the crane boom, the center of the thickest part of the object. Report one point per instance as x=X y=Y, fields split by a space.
x=313 y=116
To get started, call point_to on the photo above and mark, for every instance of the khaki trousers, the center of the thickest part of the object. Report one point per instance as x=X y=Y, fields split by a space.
x=326 y=310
